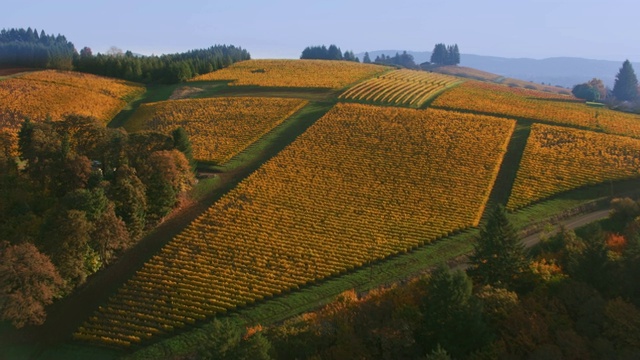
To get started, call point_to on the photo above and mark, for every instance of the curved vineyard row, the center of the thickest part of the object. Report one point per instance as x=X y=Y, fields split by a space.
x=361 y=184
x=548 y=107
x=327 y=74
x=558 y=159
x=400 y=87
x=219 y=128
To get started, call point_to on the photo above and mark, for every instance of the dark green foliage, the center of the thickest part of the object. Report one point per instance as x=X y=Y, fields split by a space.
x=590 y=262
x=182 y=143
x=626 y=85
x=225 y=341
x=499 y=258
x=438 y=354
x=129 y=198
x=445 y=55
x=451 y=317
x=404 y=60
x=65 y=237
x=323 y=53
x=366 y=59
x=161 y=197
x=25 y=48
x=170 y=68
x=92 y=202
x=586 y=92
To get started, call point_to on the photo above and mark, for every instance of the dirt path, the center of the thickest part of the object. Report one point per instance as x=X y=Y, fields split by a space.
x=66 y=315
x=571 y=224
x=529 y=241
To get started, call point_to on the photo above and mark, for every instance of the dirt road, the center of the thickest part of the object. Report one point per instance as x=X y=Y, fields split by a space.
x=572 y=223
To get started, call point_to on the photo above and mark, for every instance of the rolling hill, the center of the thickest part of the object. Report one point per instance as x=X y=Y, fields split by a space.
x=332 y=169
x=562 y=71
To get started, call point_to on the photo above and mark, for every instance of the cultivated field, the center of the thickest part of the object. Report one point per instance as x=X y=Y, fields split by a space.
x=359 y=185
x=559 y=159
x=218 y=128
x=400 y=87
x=295 y=73
x=542 y=106
x=58 y=93
x=55 y=94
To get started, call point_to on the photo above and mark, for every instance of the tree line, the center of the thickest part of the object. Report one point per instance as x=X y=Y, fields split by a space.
x=327 y=53
x=405 y=60
x=27 y=48
x=171 y=68
x=77 y=197
x=625 y=87
x=445 y=55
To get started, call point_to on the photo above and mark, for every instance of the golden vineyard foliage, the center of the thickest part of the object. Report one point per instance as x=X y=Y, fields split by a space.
x=361 y=184
x=58 y=93
x=114 y=88
x=52 y=93
x=400 y=87
x=558 y=159
x=467 y=72
x=531 y=104
x=218 y=128
x=328 y=74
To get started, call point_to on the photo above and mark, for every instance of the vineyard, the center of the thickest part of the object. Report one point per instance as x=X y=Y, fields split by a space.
x=54 y=94
x=361 y=184
x=560 y=159
x=295 y=73
x=219 y=128
x=400 y=87
x=542 y=106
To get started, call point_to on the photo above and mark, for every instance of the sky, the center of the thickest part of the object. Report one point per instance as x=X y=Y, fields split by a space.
x=604 y=30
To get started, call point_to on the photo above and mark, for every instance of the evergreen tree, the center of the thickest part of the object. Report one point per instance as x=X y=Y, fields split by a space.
x=451 y=317
x=499 y=257
x=455 y=56
x=182 y=143
x=626 y=85
x=128 y=196
x=445 y=55
x=439 y=55
x=334 y=53
x=366 y=59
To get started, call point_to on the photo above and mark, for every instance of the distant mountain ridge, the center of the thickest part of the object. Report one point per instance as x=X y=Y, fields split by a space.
x=562 y=71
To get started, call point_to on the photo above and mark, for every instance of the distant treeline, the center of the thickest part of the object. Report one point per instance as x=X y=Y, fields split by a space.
x=331 y=53
x=404 y=60
x=27 y=48
x=171 y=68
x=445 y=55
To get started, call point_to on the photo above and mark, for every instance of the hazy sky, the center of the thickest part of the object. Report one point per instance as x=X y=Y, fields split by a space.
x=603 y=29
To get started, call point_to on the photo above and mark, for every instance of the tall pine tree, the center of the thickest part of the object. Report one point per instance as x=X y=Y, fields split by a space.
x=499 y=257
x=626 y=85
